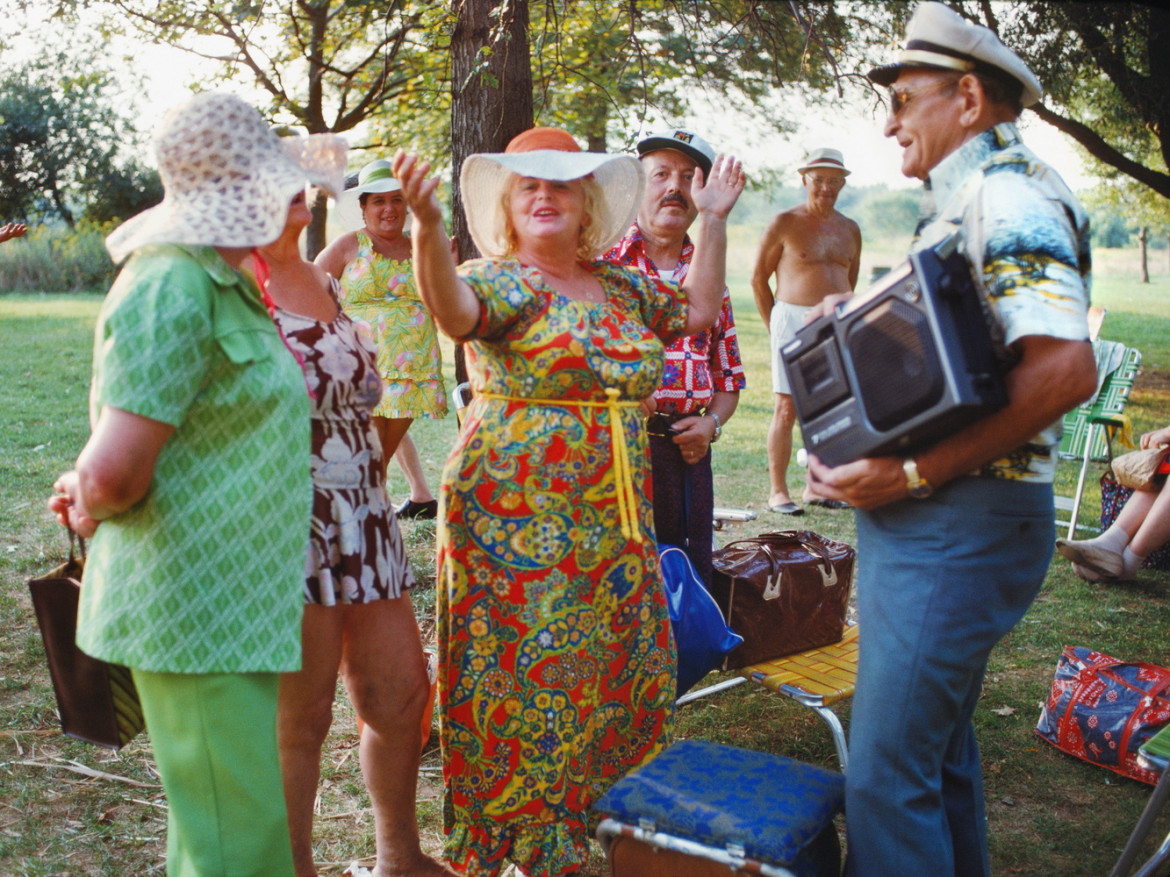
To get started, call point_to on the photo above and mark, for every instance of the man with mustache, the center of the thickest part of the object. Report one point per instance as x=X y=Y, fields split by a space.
x=704 y=374
x=814 y=251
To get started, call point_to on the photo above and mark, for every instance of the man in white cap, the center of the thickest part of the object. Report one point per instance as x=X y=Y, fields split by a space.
x=703 y=374
x=814 y=251
x=955 y=540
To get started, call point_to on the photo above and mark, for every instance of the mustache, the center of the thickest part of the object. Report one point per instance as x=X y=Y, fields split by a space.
x=675 y=198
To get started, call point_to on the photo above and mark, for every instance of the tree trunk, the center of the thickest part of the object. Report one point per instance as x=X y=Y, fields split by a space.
x=1143 y=239
x=491 y=96
x=315 y=233
x=317 y=16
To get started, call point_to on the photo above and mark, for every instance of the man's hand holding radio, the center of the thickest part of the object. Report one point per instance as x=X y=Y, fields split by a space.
x=865 y=484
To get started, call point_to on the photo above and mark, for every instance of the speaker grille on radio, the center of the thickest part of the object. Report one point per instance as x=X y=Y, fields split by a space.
x=896 y=362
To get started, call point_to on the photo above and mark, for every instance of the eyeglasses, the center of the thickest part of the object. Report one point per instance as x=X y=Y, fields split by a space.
x=900 y=97
x=834 y=183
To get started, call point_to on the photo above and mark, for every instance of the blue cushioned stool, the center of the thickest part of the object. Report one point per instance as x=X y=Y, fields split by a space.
x=705 y=809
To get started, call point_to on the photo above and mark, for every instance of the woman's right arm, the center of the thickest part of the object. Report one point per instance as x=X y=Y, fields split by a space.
x=446 y=295
x=113 y=472
x=338 y=254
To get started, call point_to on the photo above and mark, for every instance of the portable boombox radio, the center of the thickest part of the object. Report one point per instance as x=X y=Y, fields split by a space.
x=902 y=364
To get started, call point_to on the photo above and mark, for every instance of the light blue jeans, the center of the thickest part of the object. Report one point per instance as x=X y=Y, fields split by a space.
x=940 y=582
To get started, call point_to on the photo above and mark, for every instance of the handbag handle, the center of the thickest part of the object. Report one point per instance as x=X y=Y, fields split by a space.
x=767 y=543
x=76 y=541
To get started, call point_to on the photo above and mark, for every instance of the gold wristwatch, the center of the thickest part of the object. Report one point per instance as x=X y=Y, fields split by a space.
x=918 y=486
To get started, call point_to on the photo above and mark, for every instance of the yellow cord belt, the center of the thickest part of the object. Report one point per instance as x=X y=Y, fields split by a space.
x=623 y=472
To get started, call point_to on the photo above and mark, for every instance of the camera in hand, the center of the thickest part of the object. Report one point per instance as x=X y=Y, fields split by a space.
x=899 y=366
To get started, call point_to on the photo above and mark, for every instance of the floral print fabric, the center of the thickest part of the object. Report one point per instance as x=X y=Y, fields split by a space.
x=355 y=550
x=1027 y=238
x=381 y=294
x=557 y=666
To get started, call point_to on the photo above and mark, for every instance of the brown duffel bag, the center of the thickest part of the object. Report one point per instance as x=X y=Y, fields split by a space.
x=783 y=592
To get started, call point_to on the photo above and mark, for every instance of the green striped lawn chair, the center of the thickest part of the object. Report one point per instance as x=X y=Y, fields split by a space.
x=1089 y=428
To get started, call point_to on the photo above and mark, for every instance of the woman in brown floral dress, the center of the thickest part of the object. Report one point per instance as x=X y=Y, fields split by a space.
x=358 y=618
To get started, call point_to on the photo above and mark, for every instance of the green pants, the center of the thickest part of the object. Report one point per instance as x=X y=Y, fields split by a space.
x=214 y=739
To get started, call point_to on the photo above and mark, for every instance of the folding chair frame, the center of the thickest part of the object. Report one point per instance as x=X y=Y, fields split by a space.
x=817 y=679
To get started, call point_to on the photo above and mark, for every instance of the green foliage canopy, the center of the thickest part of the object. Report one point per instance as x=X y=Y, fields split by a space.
x=62 y=133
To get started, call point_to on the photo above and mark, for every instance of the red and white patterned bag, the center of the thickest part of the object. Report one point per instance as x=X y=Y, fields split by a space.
x=1101 y=709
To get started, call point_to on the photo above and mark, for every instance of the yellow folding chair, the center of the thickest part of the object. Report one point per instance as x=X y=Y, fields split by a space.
x=817 y=679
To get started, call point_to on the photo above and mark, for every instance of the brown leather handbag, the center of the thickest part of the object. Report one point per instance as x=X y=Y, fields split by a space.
x=97 y=701
x=783 y=592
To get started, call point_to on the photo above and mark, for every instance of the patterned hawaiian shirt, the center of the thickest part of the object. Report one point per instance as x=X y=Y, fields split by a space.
x=697 y=366
x=1027 y=238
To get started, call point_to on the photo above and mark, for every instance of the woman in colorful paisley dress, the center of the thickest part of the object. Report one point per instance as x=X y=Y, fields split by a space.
x=556 y=662
x=373 y=265
x=358 y=616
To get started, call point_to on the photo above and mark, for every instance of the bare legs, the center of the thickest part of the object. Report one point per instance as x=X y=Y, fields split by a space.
x=376 y=648
x=408 y=461
x=397 y=444
x=1142 y=526
x=780 y=448
x=391 y=431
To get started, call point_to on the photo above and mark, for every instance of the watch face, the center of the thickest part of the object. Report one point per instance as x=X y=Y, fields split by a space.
x=917 y=486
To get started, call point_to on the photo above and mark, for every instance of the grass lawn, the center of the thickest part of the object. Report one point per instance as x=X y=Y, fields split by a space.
x=72 y=808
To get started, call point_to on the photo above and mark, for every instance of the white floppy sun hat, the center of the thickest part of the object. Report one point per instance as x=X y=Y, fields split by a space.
x=321 y=158
x=376 y=176
x=547 y=154
x=227 y=180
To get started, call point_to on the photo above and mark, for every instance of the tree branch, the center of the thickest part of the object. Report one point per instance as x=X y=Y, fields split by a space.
x=1099 y=149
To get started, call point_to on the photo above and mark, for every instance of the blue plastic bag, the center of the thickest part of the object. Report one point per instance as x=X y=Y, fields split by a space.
x=701 y=636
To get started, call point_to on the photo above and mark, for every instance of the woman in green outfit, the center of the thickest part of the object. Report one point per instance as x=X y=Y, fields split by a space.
x=373 y=265
x=198 y=472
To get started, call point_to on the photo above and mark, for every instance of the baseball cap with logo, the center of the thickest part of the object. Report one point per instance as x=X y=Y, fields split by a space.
x=688 y=143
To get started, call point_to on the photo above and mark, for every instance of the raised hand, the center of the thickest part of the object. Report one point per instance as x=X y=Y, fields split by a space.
x=12 y=230
x=719 y=193
x=418 y=189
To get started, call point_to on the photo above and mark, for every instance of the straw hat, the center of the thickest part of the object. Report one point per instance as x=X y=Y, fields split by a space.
x=376 y=176
x=227 y=180
x=547 y=154
x=825 y=157
x=937 y=37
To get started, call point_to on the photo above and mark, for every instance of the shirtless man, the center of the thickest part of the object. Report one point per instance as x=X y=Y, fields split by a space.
x=814 y=251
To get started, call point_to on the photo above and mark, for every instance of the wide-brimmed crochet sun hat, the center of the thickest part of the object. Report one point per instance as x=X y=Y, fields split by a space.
x=548 y=154
x=376 y=176
x=227 y=179
x=321 y=158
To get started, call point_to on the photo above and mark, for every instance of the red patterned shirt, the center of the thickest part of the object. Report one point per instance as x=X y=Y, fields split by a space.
x=699 y=365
